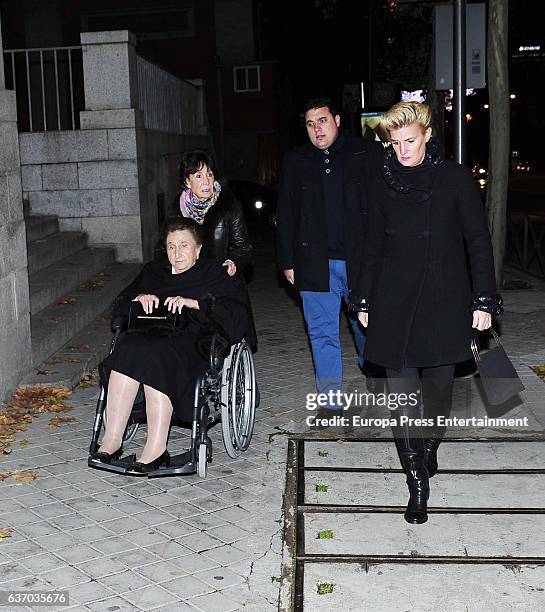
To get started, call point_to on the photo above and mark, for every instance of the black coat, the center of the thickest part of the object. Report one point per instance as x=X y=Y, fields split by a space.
x=415 y=275
x=171 y=360
x=226 y=237
x=302 y=222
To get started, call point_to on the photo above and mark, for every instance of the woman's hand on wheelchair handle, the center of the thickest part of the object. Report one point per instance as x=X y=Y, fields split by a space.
x=231 y=267
x=148 y=301
x=177 y=302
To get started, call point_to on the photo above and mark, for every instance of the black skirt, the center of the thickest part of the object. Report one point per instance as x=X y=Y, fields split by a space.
x=169 y=364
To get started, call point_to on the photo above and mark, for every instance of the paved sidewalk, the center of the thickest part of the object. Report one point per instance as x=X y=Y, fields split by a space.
x=117 y=543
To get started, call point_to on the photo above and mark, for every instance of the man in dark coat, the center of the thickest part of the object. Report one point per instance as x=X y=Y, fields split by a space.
x=322 y=207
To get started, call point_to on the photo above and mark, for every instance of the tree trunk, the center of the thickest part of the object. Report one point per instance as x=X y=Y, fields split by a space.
x=498 y=160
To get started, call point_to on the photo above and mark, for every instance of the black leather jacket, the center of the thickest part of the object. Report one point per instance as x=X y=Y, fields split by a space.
x=226 y=234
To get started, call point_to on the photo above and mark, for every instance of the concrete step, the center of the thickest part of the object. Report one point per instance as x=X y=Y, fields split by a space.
x=79 y=356
x=421 y=587
x=48 y=285
x=46 y=251
x=448 y=535
x=40 y=226
x=57 y=324
x=449 y=491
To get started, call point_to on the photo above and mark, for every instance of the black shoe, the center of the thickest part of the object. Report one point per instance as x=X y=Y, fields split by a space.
x=145 y=468
x=338 y=427
x=327 y=413
x=107 y=457
x=374 y=378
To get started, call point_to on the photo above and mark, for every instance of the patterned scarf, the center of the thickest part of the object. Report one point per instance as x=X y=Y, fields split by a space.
x=193 y=207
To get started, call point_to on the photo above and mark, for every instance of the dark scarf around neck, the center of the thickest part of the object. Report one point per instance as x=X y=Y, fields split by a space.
x=407 y=179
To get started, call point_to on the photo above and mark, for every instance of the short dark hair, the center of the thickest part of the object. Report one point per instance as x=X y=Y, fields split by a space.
x=184 y=223
x=193 y=160
x=319 y=103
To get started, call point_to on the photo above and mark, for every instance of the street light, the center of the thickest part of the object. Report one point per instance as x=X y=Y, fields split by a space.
x=258 y=206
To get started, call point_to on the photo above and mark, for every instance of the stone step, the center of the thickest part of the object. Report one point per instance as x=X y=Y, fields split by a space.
x=447 y=491
x=419 y=587
x=55 y=325
x=453 y=455
x=81 y=354
x=51 y=283
x=50 y=249
x=445 y=535
x=40 y=226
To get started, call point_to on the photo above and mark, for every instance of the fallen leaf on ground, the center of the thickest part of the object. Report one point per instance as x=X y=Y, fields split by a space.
x=89 y=380
x=46 y=372
x=24 y=443
x=539 y=370
x=66 y=301
x=26 y=405
x=97 y=282
x=4 y=476
x=63 y=359
x=5 y=532
x=80 y=347
x=24 y=476
x=56 y=421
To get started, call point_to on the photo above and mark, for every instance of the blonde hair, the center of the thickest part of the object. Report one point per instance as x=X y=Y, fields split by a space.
x=403 y=114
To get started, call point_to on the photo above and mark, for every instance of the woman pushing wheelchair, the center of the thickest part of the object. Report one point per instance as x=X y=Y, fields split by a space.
x=163 y=357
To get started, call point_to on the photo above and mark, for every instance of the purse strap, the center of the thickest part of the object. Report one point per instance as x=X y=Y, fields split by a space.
x=474 y=346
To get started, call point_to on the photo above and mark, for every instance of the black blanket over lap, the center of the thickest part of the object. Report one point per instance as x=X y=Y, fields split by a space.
x=171 y=362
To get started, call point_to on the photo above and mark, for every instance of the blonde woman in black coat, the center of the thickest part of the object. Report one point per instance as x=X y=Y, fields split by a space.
x=414 y=294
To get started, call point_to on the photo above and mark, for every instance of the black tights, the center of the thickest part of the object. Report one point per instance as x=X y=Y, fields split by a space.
x=433 y=386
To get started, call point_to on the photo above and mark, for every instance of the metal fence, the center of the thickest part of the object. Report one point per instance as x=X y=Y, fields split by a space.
x=169 y=104
x=49 y=87
x=526 y=244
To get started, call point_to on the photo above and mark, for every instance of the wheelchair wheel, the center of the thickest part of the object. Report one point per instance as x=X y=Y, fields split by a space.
x=130 y=430
x=202 y=464
x=238 y=399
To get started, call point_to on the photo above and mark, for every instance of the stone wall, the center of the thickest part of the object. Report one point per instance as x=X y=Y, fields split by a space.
x=104 y=182
x=105 y=179
x=15 y=353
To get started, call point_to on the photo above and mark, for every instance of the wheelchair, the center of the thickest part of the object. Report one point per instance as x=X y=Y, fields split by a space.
x=225 y=393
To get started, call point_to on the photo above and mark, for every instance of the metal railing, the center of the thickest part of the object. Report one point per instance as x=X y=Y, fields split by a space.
x=169 y=104
x=48 y=82
x=526 y=244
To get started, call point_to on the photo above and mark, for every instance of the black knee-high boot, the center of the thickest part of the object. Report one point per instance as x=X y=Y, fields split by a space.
x=437 y=386
x=431 y=445
x=412 y=455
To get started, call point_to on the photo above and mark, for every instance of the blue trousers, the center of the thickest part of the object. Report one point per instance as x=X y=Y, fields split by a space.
x=322 y=310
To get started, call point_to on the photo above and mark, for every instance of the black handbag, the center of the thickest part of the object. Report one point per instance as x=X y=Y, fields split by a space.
x=498 y=376
x=160 y=320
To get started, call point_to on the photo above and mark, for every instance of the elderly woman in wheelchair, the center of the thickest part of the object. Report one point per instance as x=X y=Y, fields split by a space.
x=177 y=304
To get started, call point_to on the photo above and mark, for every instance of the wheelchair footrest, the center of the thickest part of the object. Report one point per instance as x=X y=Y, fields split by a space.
x=179 y=465
x=119 y=466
